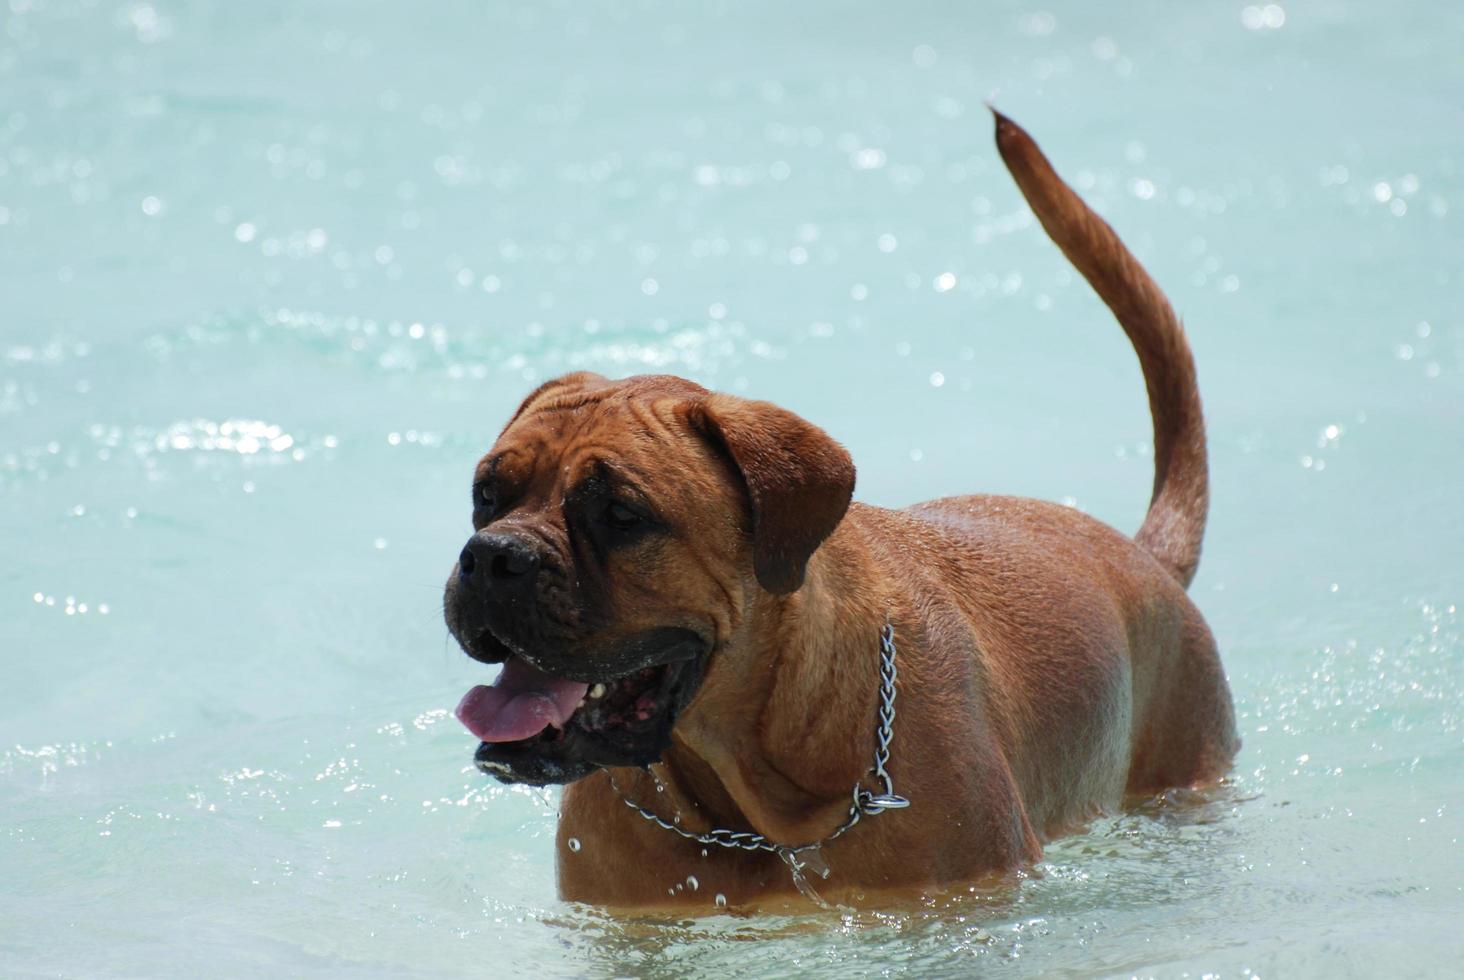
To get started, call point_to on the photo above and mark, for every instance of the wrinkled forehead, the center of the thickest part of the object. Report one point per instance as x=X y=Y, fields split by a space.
x=619 y=433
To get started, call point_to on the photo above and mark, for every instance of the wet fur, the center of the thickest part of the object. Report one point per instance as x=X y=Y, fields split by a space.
x=1048 y=665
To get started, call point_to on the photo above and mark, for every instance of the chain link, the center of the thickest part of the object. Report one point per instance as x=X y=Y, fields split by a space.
x=864 y=802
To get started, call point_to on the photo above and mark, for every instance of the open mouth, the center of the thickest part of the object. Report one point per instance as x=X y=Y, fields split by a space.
x=527 y=703
x=540 y=728
x=487 y=648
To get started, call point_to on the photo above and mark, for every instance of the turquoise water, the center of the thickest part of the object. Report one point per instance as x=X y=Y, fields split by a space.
x=274 y=274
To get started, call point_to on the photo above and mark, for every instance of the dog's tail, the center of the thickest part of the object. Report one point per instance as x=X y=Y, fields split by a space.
x=1175 y=524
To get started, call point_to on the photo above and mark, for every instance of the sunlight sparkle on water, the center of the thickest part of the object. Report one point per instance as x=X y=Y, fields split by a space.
x=261 y=324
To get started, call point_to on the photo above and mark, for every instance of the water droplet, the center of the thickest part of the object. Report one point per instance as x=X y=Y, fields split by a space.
x=574 y=844
x=692 y=883
x=721 y=900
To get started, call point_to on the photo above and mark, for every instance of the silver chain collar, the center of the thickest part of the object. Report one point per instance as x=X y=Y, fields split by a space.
x=865 y=803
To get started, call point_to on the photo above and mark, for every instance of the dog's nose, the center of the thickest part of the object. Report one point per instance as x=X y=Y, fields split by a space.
x=490 y=559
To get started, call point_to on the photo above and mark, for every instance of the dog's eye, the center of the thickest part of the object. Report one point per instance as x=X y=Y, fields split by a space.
x=621 y=517
x=484 y=500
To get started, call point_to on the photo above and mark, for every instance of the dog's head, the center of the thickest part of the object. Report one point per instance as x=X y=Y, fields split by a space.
x=619 y=528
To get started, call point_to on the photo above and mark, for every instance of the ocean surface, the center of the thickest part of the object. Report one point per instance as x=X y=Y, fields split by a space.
x=272 y=276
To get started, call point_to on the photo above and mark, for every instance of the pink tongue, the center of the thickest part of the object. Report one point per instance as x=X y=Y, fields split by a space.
x=520 y=704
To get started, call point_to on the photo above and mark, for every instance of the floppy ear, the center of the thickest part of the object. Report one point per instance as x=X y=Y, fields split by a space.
x=799 y=481
x=565 y=384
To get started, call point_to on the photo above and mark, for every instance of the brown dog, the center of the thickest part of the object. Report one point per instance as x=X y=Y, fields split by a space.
x=689 y=610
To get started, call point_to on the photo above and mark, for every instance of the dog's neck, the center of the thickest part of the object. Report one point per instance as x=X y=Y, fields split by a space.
x=752 y=752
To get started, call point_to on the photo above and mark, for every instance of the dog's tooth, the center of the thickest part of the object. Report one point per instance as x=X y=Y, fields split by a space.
x=598 y=691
